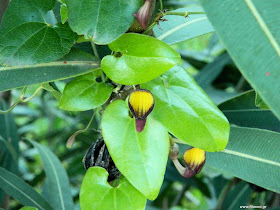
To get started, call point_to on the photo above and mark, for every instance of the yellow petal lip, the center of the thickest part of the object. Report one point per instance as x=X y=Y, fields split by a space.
x=141 y=103
x=194 y=159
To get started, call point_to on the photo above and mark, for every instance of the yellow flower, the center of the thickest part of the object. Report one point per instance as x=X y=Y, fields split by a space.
x=141 y=103
x=195 y=160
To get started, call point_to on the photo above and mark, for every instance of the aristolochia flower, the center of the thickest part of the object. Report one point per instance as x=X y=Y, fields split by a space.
x=141 y=103
x=194 y=159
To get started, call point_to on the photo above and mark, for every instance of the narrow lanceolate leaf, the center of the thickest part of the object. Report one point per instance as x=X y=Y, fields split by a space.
x=96 y=193
x=84 y=93
x=239 y=194
x=9 y=137
x=21 y=191
x=179 y=28
x=140 y=157
x=251 y=155
x=65 y=68
x=252 y=40
x=212 y=70
x=246 y=100
x=253 y=118
x=25 y=37
x=138 y=59
x=260 y=103
x=104 y=20
x=58 y=182
x=187 y=112
x=242 y=111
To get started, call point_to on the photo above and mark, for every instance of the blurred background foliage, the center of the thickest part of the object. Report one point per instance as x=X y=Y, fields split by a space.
x=42 y=121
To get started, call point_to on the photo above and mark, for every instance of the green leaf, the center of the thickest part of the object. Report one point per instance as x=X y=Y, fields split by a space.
x=140 y=157
x=251 y=155
x=9 y=137
x=237 y=196
x=26 y=38
x=103 y=19
x=187 y=112
x=48 y=87
x=28 y=208
x=212 y=70
x=179 y=29
x=241 y=111
x=73 y=64
x=260 y=103
x=138 y=59
x=21 y=191
x=58 y=182
x=63 y=13
x=245 y=100
x=253 y=34
x=12 y=153
x=253 y=118
x=83 y=93
x=96 y=193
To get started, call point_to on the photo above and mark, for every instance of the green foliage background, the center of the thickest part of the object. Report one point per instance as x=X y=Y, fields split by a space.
x=233 y=54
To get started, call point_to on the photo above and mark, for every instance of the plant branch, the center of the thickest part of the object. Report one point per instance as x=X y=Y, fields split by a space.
x=16 y=102
x=71 y=140
x=160 y=5
x=94 y=50
x=164 y=13
x=33 y=95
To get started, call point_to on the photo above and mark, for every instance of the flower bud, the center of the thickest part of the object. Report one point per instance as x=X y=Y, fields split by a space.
x=141 y=103
x=194 y=159
x=143 y=14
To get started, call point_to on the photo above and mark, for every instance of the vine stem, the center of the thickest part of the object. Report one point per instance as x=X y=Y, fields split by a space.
x=160 y=5
x=21 y=99
x=164 y=13
x=71 y=140
x=16 y=102
x=33 y=95
x=94 y=50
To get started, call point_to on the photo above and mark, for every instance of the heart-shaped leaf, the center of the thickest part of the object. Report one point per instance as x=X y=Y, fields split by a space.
x=138 y=59
x=84 y=93
x=96 y=193
x=187 y=112
x=105 y=20
x=140 y=157
x=25 y=37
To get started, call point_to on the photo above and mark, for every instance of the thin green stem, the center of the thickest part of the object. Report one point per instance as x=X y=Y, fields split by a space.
x=103 y=78
x=33 y=95
x=149 y=28
x=94 y=50
x=116 y=90
x=71 y=140
x=160 y=5
x=185 y=14
x=16 y=102
x=164 y=13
